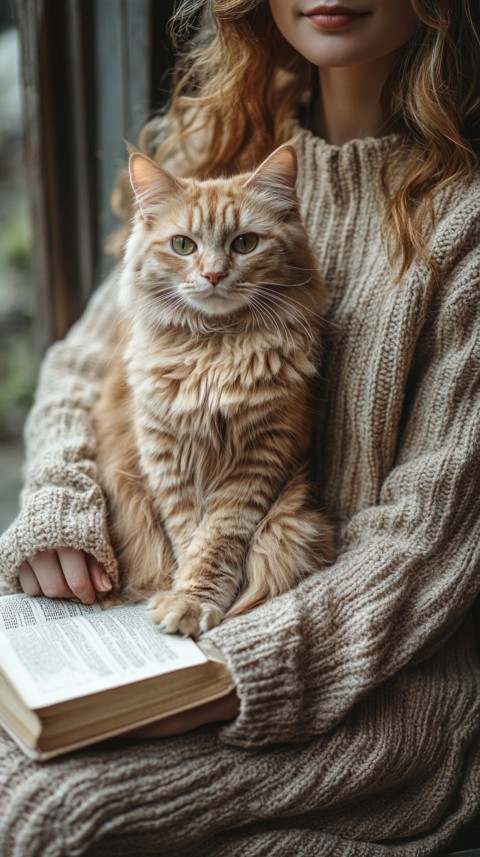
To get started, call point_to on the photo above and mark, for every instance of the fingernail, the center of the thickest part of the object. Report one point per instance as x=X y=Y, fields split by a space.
x=106 y=582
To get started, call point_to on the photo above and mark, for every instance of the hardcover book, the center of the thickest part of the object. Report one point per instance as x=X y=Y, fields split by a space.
x=73 y=674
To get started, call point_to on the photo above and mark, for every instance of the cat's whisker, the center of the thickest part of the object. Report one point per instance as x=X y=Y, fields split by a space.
x=309 y=310
x=285 y=285
x=259 y=313
x=151 y=310
x=300 y=268
x=171 y=303
x=120 y=342
x=287 y=301
x=297 y=320
x=288 y=332
x=256 y=316
x=128 y=327
x=152 y=301
x=255 y=298
x=297 y=314
x=316 y=314
x=257 y=310
x=153 y=322
x=150 y=313
x=276 y=319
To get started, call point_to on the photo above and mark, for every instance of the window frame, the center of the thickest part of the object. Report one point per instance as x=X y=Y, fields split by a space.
x=93 y=73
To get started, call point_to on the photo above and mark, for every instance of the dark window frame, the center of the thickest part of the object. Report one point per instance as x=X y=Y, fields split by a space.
x=93 y=71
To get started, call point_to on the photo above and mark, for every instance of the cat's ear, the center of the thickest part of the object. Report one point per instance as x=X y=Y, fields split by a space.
x=278 y=174
x=151 y=184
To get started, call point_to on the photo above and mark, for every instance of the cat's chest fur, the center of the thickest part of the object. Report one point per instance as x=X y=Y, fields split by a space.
x=184 y=376
x=210 y=392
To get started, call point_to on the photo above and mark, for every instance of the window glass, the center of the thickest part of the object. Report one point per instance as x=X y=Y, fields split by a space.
x=17 y=363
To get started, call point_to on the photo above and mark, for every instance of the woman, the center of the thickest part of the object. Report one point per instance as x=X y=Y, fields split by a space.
x=354 y=729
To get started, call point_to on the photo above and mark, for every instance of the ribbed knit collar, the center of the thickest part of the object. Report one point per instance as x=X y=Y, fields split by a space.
x=350 y=174
x=365 y=155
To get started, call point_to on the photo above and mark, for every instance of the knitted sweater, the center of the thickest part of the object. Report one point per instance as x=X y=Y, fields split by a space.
x=359 y=728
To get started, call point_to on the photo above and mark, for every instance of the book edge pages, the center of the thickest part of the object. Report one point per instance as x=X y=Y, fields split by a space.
x=43 y=756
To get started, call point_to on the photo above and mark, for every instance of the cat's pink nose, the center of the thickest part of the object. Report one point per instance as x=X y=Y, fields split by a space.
x=214 y=277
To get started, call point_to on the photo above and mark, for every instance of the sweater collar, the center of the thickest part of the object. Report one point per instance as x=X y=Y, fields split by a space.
x=348 y=172
x=370 y=152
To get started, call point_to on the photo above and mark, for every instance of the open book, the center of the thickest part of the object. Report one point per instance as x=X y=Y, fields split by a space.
x=73 y=674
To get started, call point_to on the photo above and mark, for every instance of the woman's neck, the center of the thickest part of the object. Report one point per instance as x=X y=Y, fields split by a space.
x=351 y=101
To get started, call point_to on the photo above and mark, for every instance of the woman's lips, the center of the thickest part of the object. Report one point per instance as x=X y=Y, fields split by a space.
x=334 y=18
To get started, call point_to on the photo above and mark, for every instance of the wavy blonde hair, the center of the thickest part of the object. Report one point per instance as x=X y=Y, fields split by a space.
x=226 y=95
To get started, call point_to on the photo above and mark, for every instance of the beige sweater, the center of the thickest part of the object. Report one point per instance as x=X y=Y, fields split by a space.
x=359 y=730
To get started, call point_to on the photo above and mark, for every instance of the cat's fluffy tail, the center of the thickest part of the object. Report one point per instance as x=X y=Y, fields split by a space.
x=290 y=542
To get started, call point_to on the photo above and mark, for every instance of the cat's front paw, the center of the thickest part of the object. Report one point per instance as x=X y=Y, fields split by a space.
x=179 y=611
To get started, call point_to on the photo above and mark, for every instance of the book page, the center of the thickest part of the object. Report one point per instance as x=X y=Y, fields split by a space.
x=61 y=650
x=21 y=611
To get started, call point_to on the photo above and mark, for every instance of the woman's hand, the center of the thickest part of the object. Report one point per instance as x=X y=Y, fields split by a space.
x=67 y=573
x=64 y=573
x=225 y=708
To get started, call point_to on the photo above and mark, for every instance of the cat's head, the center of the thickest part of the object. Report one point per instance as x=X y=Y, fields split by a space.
x=217 y=248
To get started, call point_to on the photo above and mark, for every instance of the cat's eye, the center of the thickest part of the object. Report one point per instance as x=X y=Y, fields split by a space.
x=245 y=243
x=183 y=245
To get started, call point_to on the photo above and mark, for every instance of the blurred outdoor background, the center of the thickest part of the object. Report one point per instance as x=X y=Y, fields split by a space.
x=17 y=362
x=77 y=79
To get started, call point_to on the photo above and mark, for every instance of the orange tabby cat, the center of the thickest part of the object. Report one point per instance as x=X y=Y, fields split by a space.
x=205 y=422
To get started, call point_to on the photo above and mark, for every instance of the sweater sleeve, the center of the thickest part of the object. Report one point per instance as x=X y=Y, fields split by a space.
x=62 y=504
x=408 y=566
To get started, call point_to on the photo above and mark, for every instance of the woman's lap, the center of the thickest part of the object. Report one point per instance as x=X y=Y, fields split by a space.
x=196 y=792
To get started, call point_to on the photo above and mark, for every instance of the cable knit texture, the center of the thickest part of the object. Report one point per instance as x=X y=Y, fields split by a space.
x=358 y=734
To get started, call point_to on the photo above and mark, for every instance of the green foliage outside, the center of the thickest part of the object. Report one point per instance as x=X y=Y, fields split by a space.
x=17 y=365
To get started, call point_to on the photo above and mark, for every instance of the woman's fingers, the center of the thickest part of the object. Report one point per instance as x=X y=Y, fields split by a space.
x=98 y=576
x=76 y=574
x=64 y=573
x=28 y=581
x=48 y=571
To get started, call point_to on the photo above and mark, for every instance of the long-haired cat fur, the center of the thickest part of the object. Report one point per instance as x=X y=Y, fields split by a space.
x=205 y=421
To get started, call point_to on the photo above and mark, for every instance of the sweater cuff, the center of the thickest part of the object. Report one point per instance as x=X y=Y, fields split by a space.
x=265 y=653
x=55 y=517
